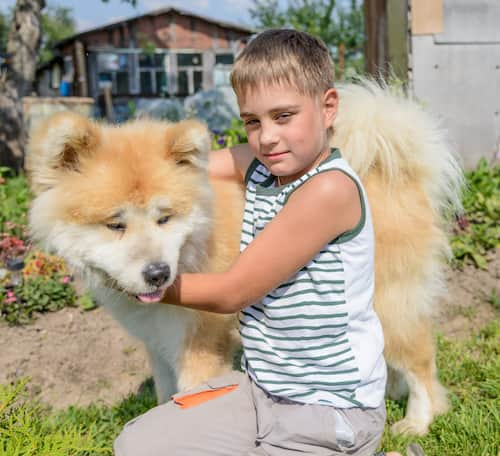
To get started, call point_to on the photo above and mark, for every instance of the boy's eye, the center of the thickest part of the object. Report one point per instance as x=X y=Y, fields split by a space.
x=118 y=226
x=163 y=220
x=284 y=116
x=250 y=122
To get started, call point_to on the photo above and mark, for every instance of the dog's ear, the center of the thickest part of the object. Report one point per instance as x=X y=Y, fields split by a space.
x=56 y=146
x=188 y=142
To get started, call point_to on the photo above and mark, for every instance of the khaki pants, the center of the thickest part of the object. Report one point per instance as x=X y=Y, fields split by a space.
x=248 y=421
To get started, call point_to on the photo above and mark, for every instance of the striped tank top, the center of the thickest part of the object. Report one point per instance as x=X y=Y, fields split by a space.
x=316 y=338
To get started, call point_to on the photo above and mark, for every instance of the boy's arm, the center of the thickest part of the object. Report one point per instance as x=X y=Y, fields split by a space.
x=230 y=163
x=319 y=211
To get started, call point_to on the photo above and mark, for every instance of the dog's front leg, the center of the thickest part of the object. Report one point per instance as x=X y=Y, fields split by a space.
x=164 y=376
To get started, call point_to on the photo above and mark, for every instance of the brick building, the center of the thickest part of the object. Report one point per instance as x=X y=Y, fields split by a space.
x=165 y=53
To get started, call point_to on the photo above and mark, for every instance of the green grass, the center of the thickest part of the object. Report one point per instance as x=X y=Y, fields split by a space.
x=469 y=368
x=471 y=371
x=26 y=429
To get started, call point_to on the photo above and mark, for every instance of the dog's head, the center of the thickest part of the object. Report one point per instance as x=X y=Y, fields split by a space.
x=120 y=203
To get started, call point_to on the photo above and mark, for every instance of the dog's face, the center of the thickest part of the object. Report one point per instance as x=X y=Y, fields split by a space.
x=120 y=204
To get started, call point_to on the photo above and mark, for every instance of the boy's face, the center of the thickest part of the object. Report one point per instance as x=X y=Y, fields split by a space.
x=286 y=129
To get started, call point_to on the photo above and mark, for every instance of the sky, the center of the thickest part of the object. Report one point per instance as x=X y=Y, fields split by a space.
x=94 y=13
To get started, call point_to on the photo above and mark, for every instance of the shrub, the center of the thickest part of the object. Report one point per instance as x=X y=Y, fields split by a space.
x=14 y=200
x=26 y=430
x=35 y=294
x=230 y=137
x=46 y=287
x=478 y=231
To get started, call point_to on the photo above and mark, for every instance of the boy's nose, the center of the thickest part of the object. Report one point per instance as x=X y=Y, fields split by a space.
x=268 y=136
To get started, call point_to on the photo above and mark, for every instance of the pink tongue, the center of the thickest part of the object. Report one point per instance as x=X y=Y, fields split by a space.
x=150 y=297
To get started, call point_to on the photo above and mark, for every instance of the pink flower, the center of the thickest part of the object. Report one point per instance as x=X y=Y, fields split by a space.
x=11 y=297
x=66 y=279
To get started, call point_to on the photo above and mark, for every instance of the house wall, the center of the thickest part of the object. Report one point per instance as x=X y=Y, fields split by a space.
x=167 y=33
x=171 y=31
x=456 y=71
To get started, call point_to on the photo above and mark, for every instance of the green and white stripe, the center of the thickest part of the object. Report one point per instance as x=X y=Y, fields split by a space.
x=300 y=340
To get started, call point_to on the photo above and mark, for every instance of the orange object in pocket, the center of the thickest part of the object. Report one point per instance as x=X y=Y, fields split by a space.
x=192 y=400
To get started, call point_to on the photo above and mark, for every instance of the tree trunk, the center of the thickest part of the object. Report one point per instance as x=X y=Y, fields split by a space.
x=23 y=44
x=341 y=52
x=11 y=125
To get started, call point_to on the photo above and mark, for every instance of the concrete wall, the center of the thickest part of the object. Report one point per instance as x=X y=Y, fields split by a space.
x=455 y=71
x=36 y=109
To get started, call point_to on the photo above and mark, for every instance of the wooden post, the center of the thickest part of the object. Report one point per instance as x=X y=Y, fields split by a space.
x=108 y=103
x=81 y=70
x=387 y=38
x=376 y=37
x=398 y=38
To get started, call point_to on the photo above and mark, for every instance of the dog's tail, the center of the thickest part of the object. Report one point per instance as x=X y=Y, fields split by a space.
x=379 y=129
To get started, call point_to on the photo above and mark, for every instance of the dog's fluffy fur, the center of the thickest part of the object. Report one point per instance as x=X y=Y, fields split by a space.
x=87 y=176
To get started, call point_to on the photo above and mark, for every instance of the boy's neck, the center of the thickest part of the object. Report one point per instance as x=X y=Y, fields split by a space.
x=284 y=180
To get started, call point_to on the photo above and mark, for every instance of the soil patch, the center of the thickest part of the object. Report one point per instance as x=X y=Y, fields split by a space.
x=75 y=357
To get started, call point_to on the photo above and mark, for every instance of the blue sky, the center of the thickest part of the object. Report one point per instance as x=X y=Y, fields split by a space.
x=93 y=13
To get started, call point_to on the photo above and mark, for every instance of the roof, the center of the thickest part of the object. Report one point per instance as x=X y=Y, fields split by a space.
x=158 y=12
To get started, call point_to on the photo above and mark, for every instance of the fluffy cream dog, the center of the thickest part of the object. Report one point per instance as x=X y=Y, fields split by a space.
x=122 y=204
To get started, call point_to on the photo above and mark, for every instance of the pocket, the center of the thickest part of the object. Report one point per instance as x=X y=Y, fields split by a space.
x=212 y=389
x=345 y=436
x=200 y=397
x=366 y=426
x=299 y=425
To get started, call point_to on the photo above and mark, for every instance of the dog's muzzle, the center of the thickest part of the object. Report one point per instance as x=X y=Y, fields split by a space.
x=156 y=274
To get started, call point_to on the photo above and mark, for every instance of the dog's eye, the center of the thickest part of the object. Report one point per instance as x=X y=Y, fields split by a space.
x=116 y=226
x=163 y=220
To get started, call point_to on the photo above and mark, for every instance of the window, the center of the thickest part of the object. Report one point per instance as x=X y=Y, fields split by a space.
x=198 y=80
x=153 y=79
x=224 y=59
x=189 y=60
x=114 y=68
x=189 y=73
x=122 y=82
x=182 y=83
x=105 y=77
x=146 y=83
x=161 y=82
x=222 y=69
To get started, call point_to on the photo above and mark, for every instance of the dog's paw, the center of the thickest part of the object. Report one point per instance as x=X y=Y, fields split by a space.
x=409 y=427
x=440 y=402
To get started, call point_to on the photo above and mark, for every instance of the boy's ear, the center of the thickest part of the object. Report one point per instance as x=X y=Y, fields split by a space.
x=330 y=106
x=188 y=142
x=56 y=146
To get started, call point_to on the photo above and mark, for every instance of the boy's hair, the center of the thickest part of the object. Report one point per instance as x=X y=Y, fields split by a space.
x=284 y=56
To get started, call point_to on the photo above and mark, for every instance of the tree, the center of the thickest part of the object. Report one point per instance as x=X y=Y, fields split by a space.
x=340 y=27
x=3 y=32
x=57 y=24
x=23 y=43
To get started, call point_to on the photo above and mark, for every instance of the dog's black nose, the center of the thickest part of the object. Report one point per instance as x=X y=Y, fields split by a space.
x=156 y=273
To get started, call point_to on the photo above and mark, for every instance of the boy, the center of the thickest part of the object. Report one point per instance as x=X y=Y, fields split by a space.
x=314 y=373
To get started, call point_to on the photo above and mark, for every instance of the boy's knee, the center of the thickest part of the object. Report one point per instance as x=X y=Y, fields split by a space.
x=120 y=445
x=131 y=442
x=142 y=437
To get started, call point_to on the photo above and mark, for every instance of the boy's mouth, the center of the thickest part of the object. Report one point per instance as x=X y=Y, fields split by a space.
x=275 y=155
